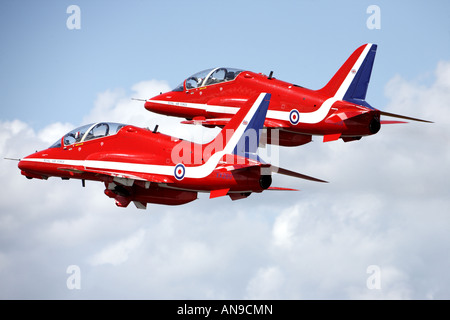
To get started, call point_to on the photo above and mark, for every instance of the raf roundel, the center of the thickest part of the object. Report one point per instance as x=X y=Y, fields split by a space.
x=179 y=171
x=294 y=116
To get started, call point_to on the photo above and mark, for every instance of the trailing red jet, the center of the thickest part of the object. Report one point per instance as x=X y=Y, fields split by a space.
x=338 y=110
x=147 y=166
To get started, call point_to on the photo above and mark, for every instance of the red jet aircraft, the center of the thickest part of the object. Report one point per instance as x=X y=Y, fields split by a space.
x=338 y=110
x=146 y=166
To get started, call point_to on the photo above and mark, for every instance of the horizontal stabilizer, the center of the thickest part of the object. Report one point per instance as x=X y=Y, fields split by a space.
x=393 y=115
x=294 y=174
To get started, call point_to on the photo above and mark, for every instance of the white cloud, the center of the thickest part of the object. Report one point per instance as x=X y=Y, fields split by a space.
x=266 y=284
x=416 y=99
x=117 y=106
x=394 y=285
x=13 y=134
x=51 y=133
x=117 y=253
x=284 y=228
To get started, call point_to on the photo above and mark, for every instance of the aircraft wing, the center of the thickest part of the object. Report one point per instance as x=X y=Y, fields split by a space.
x=350 y=114
x=272 y=123
x=294 y=174
x=271 y=168
x=221 y=122
x=157 y=178
x=122 y=175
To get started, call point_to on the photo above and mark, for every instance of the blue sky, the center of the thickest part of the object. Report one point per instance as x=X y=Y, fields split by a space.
x=386 y=205
x=50 y=73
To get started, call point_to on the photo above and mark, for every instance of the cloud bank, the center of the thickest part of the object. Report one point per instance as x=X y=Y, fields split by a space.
x=387 y=206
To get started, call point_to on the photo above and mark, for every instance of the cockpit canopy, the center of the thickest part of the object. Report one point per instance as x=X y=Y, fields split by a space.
x=208 y=77
x=89 y=132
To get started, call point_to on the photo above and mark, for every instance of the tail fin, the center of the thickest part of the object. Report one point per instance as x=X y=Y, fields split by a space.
x=352 y=79
x=241 y=134
x=250 y=117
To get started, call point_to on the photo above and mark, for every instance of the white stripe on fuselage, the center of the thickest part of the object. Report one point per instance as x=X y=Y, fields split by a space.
x=305 y=117
x=191 y=171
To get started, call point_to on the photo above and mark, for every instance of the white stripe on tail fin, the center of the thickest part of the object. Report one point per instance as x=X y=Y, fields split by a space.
x=233 y=136
x=351 y=81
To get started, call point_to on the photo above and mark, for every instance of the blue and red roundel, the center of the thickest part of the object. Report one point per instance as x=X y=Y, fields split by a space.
x=179 y=171
x=294 y=116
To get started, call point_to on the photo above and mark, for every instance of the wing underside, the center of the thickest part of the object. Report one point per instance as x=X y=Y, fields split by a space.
x=221 y=122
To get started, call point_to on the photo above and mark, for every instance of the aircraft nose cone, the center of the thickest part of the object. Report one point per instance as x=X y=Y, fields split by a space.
x=26 y=168
x=31 y=167
x=24 y=165
x=150 y=105
x=157 y=105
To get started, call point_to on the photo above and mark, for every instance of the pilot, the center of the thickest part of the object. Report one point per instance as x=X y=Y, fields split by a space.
x=193 y=82
x=229 y=76
x=77 y=136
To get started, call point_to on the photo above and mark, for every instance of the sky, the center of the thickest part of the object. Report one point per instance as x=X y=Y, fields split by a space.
x=379 y=230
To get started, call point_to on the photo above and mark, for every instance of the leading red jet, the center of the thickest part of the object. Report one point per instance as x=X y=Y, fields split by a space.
x=338 y=110
x=146 y=166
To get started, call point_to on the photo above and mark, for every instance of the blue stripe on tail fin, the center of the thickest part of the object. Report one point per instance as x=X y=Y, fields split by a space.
x=350 y=82
x=249 y=141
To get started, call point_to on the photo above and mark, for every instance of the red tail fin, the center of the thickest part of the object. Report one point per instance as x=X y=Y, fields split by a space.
x=352 y=79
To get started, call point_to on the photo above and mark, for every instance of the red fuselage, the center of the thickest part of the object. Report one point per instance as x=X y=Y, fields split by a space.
x=137 y=165
x=297 y=111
